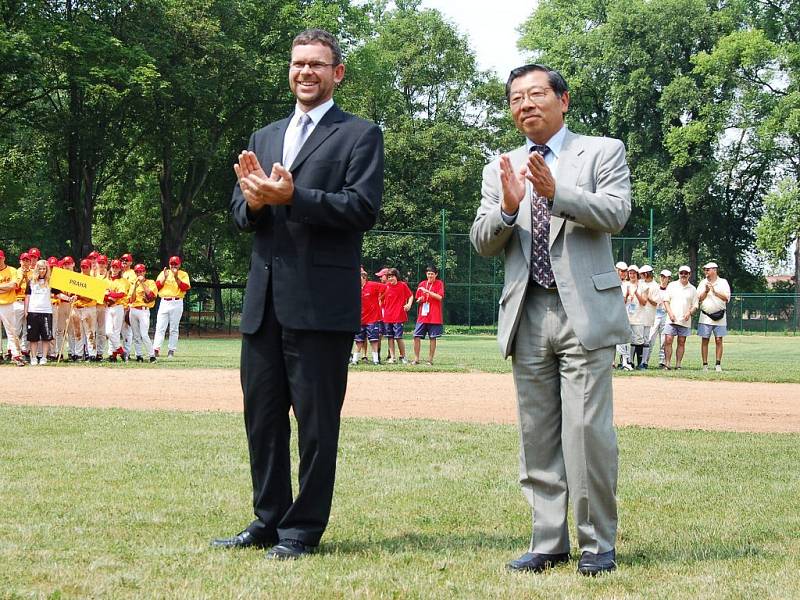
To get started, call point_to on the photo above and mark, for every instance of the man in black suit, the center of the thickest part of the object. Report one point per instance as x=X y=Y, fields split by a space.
x=302 y=303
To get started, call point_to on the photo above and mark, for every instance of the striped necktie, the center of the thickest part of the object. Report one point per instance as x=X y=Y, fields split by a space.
x=297 y=139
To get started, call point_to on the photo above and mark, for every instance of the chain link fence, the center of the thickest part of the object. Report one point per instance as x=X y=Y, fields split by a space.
x=473 y=285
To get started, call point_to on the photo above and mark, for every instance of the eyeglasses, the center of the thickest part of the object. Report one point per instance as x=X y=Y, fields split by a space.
x=536 y=95
x=683 y=273
x=314 y=66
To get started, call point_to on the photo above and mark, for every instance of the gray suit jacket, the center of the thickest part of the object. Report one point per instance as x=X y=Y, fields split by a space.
x=592 y=201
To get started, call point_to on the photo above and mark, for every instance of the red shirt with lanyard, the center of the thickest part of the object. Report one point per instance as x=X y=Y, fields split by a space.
x=434 y=310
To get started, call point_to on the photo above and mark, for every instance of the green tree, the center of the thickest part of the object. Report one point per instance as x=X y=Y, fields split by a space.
x=779 y=227
x=636 y=74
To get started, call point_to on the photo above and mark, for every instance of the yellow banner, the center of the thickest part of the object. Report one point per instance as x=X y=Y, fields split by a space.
x=79 y=284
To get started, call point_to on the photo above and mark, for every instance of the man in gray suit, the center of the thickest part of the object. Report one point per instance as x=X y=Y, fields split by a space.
x=550 y=208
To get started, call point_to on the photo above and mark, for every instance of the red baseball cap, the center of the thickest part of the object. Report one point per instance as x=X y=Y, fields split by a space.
x=52 y=261
x=126 y=258
x=68 y=260
x=382 y=272
x=175 y=260
x=24 y=256
x=140 y=268
x=102 y=259
x=116 y=264
x=93 y=255
x=60 y=263
x=86 y=264
x=35 y=252
x=2 y=255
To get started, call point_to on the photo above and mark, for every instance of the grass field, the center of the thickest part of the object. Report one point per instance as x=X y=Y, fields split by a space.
x=119 y=504
x=747 y=358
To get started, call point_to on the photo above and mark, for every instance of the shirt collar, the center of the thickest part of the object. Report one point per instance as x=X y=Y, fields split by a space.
x=315 y=113
x=554 y=143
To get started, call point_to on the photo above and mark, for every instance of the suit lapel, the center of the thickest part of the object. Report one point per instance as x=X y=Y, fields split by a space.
x=570 y=163
x=274 y=150
x=324 y=129
x=519 y=158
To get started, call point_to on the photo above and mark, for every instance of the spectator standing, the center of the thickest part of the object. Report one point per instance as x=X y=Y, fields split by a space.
x=430 y=322
x=397 y=299
x=648 y=310
x=39 y=313
x=623 y=349
x=657 y=293
x=713 y=294
x=636 y=303
x=680 y=303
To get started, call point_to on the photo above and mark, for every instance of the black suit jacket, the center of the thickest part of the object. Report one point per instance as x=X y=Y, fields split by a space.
x=311 y=249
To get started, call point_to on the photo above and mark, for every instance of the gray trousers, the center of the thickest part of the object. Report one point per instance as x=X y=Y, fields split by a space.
x=568 y=447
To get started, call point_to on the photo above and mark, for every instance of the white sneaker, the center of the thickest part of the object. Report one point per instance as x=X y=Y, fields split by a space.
x=34 y=361
x=705 y=368
x=403 y=360
x=627 y=367
x=43 y=360
x=389 y=361
x=718 y=368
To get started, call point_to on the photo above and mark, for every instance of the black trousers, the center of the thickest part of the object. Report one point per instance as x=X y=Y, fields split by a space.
x=307 y=372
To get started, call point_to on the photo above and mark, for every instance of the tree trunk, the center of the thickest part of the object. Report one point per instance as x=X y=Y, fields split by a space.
x=216 y=291
x=693 y=250
x=797 y=281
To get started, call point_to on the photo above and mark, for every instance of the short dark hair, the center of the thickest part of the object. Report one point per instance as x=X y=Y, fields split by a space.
x=319 y=36
x=393 y=272
x=431 y=268
x=557 y=82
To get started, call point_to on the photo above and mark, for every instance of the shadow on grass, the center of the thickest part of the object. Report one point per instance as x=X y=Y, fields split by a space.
x=646 y=555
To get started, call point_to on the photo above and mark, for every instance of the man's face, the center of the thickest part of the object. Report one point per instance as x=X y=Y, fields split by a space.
x=711 y=274
x=431 y=275
x=633 y=276
x=391 y=279
x=535 y=108
x=664 y=280
x=623 y=274
x=126 y=264
x=648 y=277
x=25 y=263
x=684 y=277
x=312 y=77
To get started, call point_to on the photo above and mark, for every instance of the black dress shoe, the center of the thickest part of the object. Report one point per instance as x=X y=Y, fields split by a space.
x=592 y=564
x=289 y=550
x=245 y=539
x=536 y=563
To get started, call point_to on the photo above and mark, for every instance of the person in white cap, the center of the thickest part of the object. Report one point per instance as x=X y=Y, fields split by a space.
x=713 y=294
x=635 y=304
x=680 y=303
x=649 y=310
x=623 y=349
x=657 y=295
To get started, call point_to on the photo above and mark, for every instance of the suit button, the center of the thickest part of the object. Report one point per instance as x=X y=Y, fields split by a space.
x=266 y=267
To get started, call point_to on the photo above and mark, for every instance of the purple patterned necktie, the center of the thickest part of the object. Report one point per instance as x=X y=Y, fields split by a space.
x=541 y=271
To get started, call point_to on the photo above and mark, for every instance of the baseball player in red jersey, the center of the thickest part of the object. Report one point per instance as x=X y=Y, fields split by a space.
x=85 y=310
x=101 y=272
x=172 y=284
x=24 y=274
x=397 y=299
x=8 y=296
x=430 y=322
x=127 y=273
x=118 y=289
x=371 y=295
x=141 y=297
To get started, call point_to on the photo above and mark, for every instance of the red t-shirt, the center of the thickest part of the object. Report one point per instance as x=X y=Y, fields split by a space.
x=434 y=316
x=394 y=298
x=370 y=309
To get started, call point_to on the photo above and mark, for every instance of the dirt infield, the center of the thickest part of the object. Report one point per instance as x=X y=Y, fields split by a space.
x=472 y=397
